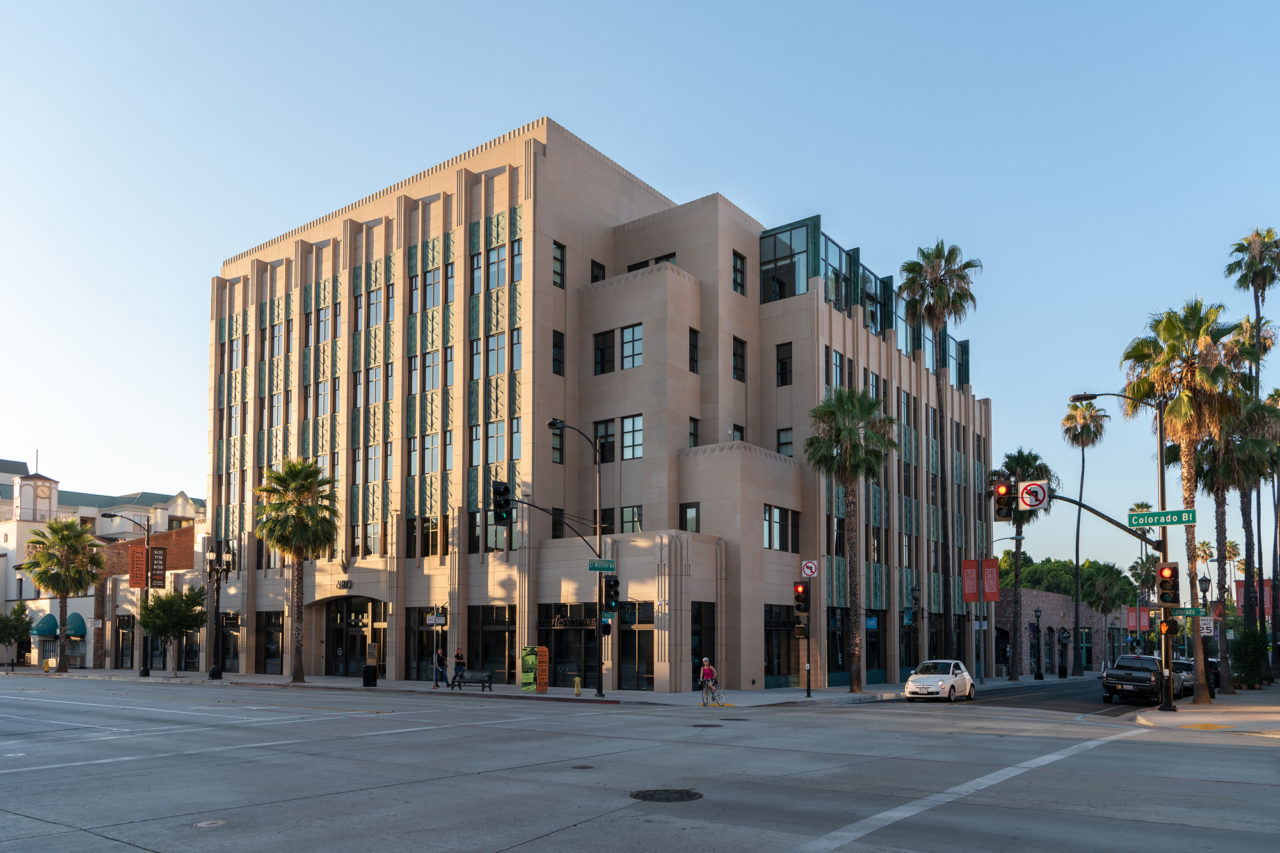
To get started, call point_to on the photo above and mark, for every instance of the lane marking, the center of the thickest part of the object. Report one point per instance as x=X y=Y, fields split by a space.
x=846 y=834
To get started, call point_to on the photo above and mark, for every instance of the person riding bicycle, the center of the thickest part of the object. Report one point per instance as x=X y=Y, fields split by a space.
x=708 y=675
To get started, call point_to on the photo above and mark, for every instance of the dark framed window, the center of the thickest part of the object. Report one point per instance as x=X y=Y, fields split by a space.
x=431 y=370
x=781 y=529
x=689 y=517
x=784 y=442
x=448 y=365
x=375 y=308
x=477 y=359
x=557 y=264
x=602 y=346
x=414 y=297
x=631 y=519
x=517 y=260
x=739 y=274
x=597 y=271
x=784 y=364
x=605 y=439
x=431 y=293
x=557 y=522
x=557 y=353
x=557 y=446
x=497 y=354
x=497 y=267
x=693 y=432
x=738 y=432
x=693 y=350
x=633 y=437
x=739 y=359
x=632 y=346
x=477 y=273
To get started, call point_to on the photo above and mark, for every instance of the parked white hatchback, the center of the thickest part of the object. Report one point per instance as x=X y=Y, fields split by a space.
x=939 y=679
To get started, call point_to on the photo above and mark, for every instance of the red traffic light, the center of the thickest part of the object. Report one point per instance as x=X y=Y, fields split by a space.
x=801 y=588
x=1001 y=489
x=1166 y=572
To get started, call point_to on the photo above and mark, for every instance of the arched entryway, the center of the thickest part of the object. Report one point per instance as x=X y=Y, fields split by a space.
x=352 y=626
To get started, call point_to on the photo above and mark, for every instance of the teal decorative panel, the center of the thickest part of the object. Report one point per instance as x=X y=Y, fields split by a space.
x=473 y=238
x=473 y=403
x=473 y=319
x=517 y=222
x=432 y=249
x=357 y=275
x=391 y=275
x=513 y=314
x=448 y=247
x=413 y=259
x=473 y=489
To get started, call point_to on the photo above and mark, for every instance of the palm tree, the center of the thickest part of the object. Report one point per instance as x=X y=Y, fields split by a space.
x=1204 y=551
x=1273 y=402
x=1109 y=591
x=851 y=440
x=1142 y=506
x=67 y=563
x=1021 y=466
x=937 y=288
x=1083 y=428
x=1188 y=366
x=1216 y=464
x=299 y=518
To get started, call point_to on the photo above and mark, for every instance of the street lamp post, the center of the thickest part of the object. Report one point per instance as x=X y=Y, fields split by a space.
x=1039 y=649
x=559 y=424
x=144 y=670
x=218 y=568
x=982 y=595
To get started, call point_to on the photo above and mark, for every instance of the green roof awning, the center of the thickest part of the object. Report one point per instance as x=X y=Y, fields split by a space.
x=46 y=627
x=76 y=627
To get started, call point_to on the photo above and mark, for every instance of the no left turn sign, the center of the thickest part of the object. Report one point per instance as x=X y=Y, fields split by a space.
x=1033 y=495
x=809 y=568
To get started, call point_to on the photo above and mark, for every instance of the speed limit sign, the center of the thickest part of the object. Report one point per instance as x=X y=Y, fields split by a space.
x=809 y=568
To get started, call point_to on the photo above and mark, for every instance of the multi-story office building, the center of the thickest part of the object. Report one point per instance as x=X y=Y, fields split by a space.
x=416 y=343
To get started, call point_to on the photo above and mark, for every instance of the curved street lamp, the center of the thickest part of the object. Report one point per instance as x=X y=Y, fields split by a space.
x=218 y=566
x=144 y=670
x=558 y=425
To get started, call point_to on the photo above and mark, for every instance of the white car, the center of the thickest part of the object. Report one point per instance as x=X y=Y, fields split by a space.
x=939 y=679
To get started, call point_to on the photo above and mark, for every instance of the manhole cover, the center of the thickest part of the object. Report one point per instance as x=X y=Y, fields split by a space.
x=667 y=795
x=707 y=726
x=583 y=767
x=206 y=824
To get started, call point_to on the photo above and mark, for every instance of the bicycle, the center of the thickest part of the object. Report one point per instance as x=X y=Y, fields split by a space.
x=711 y=692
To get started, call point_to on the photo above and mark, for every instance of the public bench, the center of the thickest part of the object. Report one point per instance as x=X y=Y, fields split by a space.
x=483 y=677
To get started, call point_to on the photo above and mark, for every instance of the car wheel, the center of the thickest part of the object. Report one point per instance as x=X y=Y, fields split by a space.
x=909 y=699
x=951 y=694
x=971 y=693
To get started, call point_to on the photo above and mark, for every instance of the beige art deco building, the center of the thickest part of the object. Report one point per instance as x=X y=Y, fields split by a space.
x=417 y=342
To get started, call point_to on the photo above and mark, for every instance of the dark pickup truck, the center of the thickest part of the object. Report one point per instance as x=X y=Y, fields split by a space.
x=1137 y=676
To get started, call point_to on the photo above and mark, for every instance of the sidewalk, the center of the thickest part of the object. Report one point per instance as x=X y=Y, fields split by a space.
x=1255 y=712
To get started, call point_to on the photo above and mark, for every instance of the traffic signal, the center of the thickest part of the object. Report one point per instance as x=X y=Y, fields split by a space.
x=1169 y=627
x=1167 y=594
x=802 y=596
x=802 y=631
x=611 y=592
x=1005 y=498
x=501 y=503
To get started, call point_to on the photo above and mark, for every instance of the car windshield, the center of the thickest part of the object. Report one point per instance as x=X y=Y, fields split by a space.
x=1140 y=664
x=934 y=667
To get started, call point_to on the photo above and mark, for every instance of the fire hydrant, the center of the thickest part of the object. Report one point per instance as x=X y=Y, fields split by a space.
x=577 y=685
x=46 y=664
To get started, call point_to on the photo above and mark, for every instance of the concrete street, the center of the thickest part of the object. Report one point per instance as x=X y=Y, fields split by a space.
x=100 y=765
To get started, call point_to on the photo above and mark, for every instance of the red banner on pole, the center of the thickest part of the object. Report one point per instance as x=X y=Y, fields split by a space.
x=1130 y=618
x=969 y=572
x=991 y=579
x=137 y=567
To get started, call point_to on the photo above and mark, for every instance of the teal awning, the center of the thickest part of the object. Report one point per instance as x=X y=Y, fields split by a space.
x=46 y=627
x=76 y=627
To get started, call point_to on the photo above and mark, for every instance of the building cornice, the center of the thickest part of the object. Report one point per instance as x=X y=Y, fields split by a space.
x=671 y=270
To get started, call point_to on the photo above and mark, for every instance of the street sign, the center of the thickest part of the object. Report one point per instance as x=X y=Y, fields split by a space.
x=600 y=565
x=1162 y=518
x=1033 y=495
x=1206 y=627
x=809 y=568
x=1188 y=611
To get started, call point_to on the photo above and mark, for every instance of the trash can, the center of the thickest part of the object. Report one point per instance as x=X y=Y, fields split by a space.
x=370 y=676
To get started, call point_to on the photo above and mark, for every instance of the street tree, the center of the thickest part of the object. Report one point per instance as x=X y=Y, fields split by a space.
x=1082 y=427
x=15 y=627
x=1020 y=466
x=66 y=563
x=299 y=517
x=850 y=443
x=170 y=616
x=1106 y=593
x=1188 y=366
x=937 y=287
x=1142 y=506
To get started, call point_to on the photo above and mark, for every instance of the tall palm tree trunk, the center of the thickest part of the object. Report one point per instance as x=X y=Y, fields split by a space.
x=1246 y=517
x=62 y=634
x=948 y=643
x=1077 y=666
x=1225 y=683
x=1275 y=577
x=852 y=566
x=297 y=669
x=1187 y=449
x=1016 y=630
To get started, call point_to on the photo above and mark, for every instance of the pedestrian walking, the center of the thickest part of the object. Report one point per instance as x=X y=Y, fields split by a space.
x=442 y=671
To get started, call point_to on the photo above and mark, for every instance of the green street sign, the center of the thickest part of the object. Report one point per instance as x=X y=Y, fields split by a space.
x=1188 y=611
x=1163 y=518
x=600 y=565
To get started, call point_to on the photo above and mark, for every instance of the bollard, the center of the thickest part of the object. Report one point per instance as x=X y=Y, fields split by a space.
x=577 y=685
x=46 y=664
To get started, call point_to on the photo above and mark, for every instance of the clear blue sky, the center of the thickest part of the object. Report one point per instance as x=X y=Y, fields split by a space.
x=1099 y=158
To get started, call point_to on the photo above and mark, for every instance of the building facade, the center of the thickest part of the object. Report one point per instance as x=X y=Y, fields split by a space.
x=101 y=623
x=417 y=343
